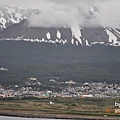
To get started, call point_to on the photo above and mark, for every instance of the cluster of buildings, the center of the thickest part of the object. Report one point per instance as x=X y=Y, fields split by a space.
x=97 y=90
x=3 y=69
x=67 y=89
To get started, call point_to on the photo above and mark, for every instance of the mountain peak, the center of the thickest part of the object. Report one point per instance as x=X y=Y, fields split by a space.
x=14 y=25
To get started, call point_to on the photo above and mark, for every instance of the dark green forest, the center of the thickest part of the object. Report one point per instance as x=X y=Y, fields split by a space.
x=98 y=63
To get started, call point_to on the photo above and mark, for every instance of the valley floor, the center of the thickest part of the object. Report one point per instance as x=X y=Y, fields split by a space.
x=68 y=108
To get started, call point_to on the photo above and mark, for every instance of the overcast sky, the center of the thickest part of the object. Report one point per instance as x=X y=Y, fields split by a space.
x=21 y=3
x=31 y=3
x=71 y=12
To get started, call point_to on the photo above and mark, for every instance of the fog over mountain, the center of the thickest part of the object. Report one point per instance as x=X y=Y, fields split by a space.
x=78 y=13
x=79 y=22
x=57 y=13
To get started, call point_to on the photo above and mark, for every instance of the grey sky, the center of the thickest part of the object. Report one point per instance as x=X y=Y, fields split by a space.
x=40 y=3
x=35 y=3
x=21 y=3
x=71 y=12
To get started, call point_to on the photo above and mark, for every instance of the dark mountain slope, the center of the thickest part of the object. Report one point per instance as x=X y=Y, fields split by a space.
x=49 y=53
x=42 y=60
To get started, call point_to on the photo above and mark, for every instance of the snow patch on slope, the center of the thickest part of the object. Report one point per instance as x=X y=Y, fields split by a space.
x=72 y=41
x=101 y=43
x=58 y=34
x=2 y=20
x=10 y=10
x=12 y=19
x=77 y=34
x=77 y=43
x=10 y=16
x=112 y=38
x=18 y=15
x=48 y=35
x=116 y=32
x=87 y=44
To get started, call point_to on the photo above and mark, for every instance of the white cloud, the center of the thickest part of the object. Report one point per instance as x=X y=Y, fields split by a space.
x=78 y=13
x=109 y=13
x=71 y=12
x=63 y=14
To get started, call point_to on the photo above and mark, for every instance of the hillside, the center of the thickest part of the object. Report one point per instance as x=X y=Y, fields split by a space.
x=42 y=60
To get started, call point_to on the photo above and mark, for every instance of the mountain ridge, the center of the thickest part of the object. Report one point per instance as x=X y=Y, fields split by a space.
x=16 y=27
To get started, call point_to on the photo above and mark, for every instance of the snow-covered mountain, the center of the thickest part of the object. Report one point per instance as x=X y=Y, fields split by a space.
x=12 y=15
x=15 y=26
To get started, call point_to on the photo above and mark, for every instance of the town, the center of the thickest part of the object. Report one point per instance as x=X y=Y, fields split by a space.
x=32 y=88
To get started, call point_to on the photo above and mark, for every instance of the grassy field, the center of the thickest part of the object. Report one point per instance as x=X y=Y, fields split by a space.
x=61 y=106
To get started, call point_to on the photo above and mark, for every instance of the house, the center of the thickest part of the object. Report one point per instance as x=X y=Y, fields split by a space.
x=3 y=69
